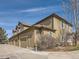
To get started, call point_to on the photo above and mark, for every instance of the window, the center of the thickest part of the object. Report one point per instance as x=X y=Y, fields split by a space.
x=40 y=31
x=50 y=33
x=61 y=25
x=52 y=21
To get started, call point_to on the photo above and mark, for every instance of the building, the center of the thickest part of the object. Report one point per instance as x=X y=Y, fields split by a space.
x=27 y=36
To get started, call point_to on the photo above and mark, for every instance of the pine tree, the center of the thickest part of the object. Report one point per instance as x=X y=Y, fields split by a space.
x=3 y=35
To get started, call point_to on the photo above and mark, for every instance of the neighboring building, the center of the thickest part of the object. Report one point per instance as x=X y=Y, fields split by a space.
x=27 y=36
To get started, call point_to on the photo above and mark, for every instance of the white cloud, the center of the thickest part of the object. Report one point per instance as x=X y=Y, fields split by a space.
x=20 y=11
x=29 y=10
x=33 y=10
x=40 y=9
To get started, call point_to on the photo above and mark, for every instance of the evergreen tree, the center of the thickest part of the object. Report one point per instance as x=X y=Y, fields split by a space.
x=3 y=35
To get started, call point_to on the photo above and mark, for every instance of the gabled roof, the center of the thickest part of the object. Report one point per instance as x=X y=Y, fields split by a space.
x=54 y=15
x=41 y=27
x=24 y=24
x=34 y=27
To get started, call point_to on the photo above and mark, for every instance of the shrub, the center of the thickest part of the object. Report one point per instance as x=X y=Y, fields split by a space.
x=45 y=42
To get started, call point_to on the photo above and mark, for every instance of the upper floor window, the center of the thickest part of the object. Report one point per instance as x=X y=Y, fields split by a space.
x=50 y=33
x=40 y=31
x=61 y=25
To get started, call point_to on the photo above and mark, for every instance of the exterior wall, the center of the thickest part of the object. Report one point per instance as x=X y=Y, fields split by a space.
x=11 y=42
x=55 y=23
x=57 y=27
x=14 y=41
x=47 y=23
x=61 y=28
x=26 y=40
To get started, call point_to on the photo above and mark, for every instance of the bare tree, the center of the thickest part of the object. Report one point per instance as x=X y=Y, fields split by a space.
x=71 y=6
x=75 y=8
x=46 y=41
x=65 y=8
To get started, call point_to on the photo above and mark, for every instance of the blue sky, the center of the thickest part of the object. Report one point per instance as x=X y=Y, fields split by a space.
x=29 y=11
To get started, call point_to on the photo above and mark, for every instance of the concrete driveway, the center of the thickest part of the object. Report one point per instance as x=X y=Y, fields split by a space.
x=64 y=55
x=13 y=52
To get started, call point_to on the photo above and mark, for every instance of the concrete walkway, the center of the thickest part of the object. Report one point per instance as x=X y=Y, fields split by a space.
x=13 y=52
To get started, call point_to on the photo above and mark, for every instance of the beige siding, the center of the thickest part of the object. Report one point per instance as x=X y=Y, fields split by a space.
x=47 y=23
x=58 y=27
